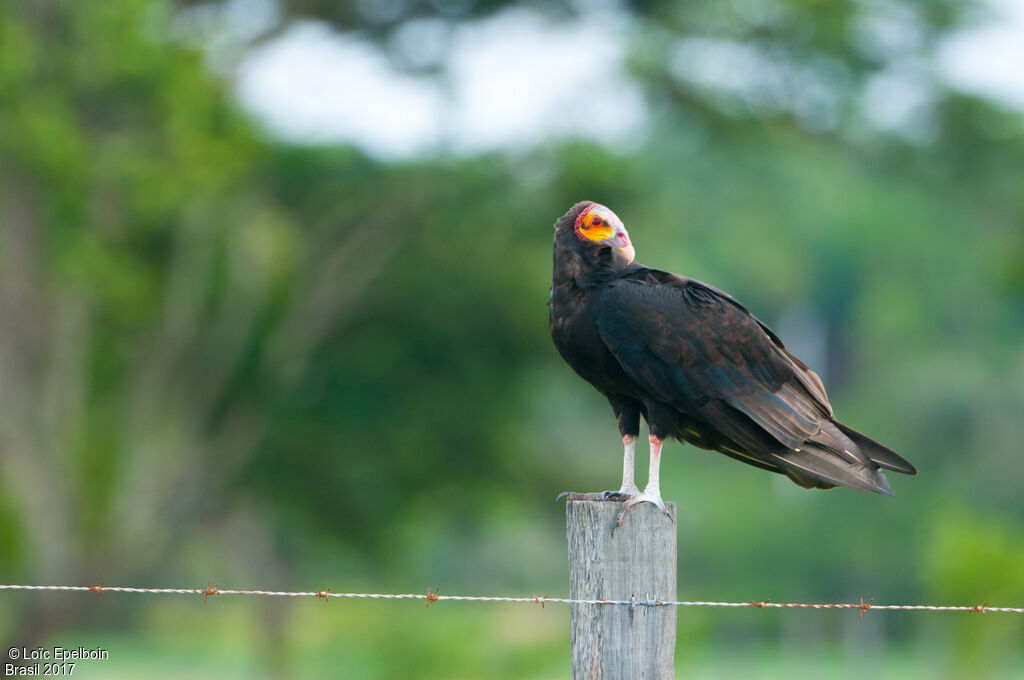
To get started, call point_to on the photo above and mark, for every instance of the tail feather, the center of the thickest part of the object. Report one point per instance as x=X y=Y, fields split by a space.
x=840 y=456
x=812 y=465
x=836 y=455
x=882 y=456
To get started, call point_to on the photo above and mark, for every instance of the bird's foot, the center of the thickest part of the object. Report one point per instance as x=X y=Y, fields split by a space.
x=623 y=494
x=653 y=497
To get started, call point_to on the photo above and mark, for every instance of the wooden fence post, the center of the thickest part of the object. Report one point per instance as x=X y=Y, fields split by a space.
x=637 y=560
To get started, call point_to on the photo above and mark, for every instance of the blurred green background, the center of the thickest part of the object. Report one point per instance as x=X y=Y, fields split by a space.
x=247 y=345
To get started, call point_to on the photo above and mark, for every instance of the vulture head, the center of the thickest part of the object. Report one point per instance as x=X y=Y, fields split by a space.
x=594 y=231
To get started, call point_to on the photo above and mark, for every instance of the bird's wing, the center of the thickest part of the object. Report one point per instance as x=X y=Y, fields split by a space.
x=694 y=347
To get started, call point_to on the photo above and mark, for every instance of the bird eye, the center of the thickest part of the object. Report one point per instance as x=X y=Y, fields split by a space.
x=596 y=222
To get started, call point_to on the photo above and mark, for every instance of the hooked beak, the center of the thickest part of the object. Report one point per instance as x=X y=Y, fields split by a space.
x=620 y=242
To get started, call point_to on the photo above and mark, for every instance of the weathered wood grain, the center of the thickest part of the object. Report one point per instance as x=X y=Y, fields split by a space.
x=638 y=559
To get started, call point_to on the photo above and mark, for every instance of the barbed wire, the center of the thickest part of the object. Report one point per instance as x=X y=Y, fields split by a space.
x=432 y=596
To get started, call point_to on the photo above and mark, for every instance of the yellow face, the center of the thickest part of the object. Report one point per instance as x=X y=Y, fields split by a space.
x=602 y=227
x=597 y=224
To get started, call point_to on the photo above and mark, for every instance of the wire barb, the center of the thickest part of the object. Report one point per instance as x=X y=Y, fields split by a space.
x=210 y=590
x=324 y=594
x=432 y=596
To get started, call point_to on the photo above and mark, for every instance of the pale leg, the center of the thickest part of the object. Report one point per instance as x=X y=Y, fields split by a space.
x=652 y=492
x=628 y=488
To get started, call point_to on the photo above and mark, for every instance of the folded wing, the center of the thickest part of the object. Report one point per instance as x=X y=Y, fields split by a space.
x=695 y=348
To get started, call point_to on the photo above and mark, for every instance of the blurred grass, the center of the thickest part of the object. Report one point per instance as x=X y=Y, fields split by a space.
x=461 y=641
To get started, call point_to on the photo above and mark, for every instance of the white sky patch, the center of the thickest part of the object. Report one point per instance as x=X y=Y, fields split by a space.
x=309 y=86
x=720 y=63
x=988 y=60
x=888 y=30
x=900 y=98
x=518 y=79
x=759 y=79
x=511 y=80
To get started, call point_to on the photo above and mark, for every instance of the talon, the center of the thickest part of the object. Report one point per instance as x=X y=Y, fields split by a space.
x=617 y=496
x=653 y=498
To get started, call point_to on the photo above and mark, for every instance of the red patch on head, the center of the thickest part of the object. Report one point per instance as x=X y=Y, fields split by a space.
x=579 y=220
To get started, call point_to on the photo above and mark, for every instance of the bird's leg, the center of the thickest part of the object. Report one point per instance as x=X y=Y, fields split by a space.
x=629 y=453
x=628 y=488
x=652 y=492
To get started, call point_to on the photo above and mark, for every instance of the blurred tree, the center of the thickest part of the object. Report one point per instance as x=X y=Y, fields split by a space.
x=124 y=186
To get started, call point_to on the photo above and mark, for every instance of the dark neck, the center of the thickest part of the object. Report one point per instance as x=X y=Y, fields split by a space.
x=587 y=265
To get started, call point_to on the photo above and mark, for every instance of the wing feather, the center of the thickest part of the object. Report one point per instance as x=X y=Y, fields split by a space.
x=695 y=348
